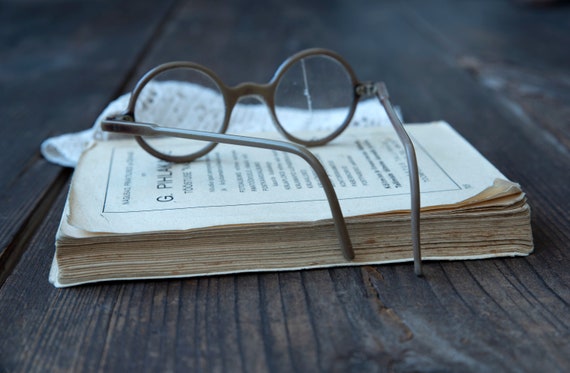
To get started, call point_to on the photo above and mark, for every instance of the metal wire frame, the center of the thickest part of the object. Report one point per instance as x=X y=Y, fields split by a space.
x=126 y=123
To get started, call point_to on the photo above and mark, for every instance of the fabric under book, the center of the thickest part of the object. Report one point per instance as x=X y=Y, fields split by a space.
x=131 y=216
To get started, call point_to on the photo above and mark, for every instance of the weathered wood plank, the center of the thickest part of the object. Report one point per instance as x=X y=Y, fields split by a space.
x=491 y=315
x=61 y=64
x=494 y=43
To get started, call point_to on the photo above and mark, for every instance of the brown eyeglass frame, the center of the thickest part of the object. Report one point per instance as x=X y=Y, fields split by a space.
x=126 y=123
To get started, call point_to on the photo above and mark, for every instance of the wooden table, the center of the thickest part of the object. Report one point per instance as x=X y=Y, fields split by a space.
x=499 y=71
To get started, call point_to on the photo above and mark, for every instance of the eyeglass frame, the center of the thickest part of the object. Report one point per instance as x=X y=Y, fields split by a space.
x=126 y=123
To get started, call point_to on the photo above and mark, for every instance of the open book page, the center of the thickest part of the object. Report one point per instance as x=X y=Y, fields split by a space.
x=119 y=188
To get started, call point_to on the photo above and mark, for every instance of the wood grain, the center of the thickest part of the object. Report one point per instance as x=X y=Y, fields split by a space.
x=61 y=64
x=437 y=59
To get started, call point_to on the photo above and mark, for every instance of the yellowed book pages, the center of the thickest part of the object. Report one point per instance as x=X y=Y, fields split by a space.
x=130 y=210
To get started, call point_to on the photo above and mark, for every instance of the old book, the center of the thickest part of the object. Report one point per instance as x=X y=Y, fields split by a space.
x=131 y=216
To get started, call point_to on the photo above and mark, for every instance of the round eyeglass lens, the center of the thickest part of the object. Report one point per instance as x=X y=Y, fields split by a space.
x=183 y=98
x=314 y=94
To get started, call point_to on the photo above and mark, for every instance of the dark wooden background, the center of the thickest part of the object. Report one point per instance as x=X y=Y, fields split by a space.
x=499 y=71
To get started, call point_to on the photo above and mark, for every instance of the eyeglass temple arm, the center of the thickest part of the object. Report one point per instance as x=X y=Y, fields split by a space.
x=384 y=97
x=147 y=129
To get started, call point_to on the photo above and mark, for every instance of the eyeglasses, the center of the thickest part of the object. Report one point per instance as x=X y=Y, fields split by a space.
x=312 y=89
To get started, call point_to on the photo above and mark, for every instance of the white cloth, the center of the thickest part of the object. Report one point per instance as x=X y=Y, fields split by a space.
x=66 y=149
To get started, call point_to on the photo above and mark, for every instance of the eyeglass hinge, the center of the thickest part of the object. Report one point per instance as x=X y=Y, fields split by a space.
x=366 y=89
x=126 y=116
